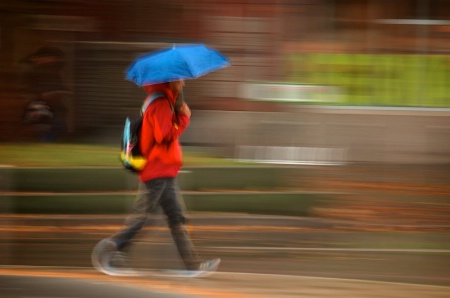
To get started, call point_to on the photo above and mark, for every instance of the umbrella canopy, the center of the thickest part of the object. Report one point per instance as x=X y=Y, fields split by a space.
x=179 y=62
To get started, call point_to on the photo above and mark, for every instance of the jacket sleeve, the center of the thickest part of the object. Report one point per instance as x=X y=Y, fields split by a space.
x=166 y=127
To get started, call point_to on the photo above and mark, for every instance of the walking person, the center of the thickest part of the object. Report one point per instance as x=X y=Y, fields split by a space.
x=44 y=88
x=161 y=74
x=161 y=127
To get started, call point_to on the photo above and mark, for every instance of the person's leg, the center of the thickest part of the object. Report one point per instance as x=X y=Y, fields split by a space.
x=110 y=255
x=142 y=206
x=176 y=221
x=58 y=126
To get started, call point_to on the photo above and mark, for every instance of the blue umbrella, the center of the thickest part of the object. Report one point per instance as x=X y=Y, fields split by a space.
x=179 y=62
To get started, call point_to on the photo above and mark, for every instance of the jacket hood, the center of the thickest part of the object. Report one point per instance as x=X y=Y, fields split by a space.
x=162 y=87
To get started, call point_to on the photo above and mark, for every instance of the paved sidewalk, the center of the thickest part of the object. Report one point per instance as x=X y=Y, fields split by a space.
x=228 y=284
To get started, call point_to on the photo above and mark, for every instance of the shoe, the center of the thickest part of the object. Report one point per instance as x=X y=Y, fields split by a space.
x=204 y=269
x=207 y=267
x=119 y=265
x=108 y=259
x=119 y=260
x=101 y=254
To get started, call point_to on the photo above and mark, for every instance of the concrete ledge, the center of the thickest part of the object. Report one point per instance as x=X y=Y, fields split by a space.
x=270 y=203
x=105 y=179
x=276 y=203
x=49 y=203
x=69 y=179
x=234 y=178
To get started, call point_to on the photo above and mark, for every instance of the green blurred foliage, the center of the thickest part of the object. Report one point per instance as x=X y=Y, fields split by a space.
x=377 y=80
x=78 y=155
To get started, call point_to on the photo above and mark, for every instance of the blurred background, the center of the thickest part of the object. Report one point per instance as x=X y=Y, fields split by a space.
x=350 y=99
x=322 y=81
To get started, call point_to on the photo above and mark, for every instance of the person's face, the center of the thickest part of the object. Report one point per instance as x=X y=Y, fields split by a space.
x=177 y=86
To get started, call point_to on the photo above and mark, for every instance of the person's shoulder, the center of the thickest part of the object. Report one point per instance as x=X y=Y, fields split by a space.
x=162 y=101
x=160 y=105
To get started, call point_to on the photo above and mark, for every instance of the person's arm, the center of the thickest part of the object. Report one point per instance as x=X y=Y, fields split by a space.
x=165 y=129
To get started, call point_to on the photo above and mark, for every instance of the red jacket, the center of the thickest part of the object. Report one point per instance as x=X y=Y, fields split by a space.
x=161 y=129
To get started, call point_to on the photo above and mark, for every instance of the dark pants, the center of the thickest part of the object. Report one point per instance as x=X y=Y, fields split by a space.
x=162 y=192
x=58 y=101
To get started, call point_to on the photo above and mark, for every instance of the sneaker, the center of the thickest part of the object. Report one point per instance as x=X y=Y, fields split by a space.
x=204 y=269
x=207 y=267
x=101 y=254
x=119 y=260
x=119 y=265
x=108 y=259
